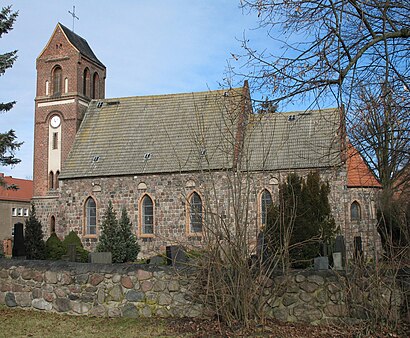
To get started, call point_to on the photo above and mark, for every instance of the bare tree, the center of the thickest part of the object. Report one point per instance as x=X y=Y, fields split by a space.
x=328 y=47
x=380 y=131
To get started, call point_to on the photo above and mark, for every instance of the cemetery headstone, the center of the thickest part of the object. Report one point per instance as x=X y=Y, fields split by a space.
x=175 y=255
x=100 y=257
x=18 y=242
x=321 y=263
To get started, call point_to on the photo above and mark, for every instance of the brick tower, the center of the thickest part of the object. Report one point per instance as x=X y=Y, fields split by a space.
x=69 y=75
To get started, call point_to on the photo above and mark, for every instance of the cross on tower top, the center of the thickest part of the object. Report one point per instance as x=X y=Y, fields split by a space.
x=74 y=16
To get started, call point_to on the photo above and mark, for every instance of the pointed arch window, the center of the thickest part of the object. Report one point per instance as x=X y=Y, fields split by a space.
x=57 y=80
x=57 y=184
x=52 y=225
x=90 y=217
x=51 y=180
x=147 y=216
x=195 y=208
x=96 y=86
x=355 y=211
x=86 y=82
x=266 y=205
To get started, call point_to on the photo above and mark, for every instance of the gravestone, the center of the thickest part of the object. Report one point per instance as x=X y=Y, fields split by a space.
x=156 y=260
x=18 y=242
x=100 y=257
x=340 y=247
x=175 y=255
x=321 y=263
x=72 y=252
x=337 y=261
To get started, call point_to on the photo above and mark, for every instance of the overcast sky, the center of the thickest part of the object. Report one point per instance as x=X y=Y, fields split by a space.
x=148 y=47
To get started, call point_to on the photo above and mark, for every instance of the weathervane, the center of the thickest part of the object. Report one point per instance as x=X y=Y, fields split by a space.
x=74 y=16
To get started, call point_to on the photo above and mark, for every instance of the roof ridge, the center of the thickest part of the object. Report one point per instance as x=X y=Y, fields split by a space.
x=170 y=94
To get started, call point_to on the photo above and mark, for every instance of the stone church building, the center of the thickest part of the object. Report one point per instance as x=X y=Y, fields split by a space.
x=181 y=164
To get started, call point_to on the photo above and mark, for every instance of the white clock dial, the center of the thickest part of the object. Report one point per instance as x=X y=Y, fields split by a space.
x=55 y=121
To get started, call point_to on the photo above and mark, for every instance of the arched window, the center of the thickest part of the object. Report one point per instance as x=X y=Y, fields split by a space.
x=52 y=225
x=51 y=180
x=65 y=85
x=47 y=88
x=147 y=216
x=195 y=213
x=266 y=205
x=90 y=217
x=96 y=86
x=355 y=211
x=57 y=184
x=57 y=79
x=86 y=81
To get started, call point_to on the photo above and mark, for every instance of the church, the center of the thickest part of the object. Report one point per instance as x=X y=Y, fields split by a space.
x=181 y=164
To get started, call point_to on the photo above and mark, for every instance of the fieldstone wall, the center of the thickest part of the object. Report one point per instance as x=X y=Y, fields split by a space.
x=169 y=193
x=96 y=289
x=125 y=290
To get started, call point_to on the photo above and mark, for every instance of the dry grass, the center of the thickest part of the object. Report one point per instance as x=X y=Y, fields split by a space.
x=29 y=323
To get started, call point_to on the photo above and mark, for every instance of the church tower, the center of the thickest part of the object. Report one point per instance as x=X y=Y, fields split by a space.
x=69 y=76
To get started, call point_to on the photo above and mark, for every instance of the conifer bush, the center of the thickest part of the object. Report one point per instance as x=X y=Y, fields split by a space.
x=116 y=236
x=33 y=240
x=132 y=247
x=54 y=248
x=301 y=220
x=72 y=238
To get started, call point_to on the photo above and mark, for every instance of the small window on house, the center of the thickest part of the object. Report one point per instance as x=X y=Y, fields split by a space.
x=86 y=82
x=51 y=180
x=96 y=86
x=355 y=211
x=25 y=212
x=147 y=216
x=57 y=78
x=20 y=212
x=14 y=211
x=55 y=141
x=266 y=205
x=90 y=217
x=57 y=184
x=195 y=213
x=65 y=85
x=47 y=88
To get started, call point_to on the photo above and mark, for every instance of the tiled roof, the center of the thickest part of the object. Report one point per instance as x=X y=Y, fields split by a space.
x=81 y=44
x=24 y=193
x=294 y=140
x=358 y=173
x=156 y=134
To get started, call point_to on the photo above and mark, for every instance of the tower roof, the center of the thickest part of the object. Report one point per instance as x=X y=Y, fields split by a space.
x=80 y=44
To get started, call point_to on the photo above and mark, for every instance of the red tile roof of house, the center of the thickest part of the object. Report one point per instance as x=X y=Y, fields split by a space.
x=358 y=173
x=24 y=193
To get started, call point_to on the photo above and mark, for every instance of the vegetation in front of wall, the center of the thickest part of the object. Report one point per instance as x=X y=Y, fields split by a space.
x=33 y=240
x=393 y=216
x=116 y=236
x=301 y=220
x=54 y=248
x=73 y=239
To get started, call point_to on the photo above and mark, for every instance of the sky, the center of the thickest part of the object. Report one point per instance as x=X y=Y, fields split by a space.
x=149 y=47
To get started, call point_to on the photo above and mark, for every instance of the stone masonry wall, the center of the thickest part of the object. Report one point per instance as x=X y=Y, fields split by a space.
x=125 y=290
x=169 y=193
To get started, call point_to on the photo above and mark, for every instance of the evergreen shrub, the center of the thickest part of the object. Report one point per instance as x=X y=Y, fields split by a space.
x=54 y=248
x=33 y=240
x=117 y=237
x=72 y=238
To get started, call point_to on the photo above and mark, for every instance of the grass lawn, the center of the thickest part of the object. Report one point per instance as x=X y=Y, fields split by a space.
x=16 y=322
x=29 y=323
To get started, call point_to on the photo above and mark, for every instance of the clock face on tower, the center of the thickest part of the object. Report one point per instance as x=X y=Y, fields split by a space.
x=55 y=121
